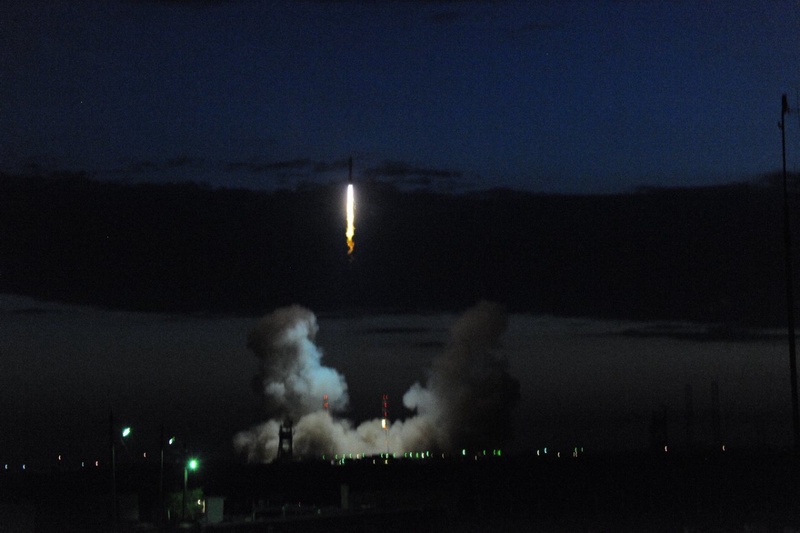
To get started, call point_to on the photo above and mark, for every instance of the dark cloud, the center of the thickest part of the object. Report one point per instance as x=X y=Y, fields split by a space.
x=709 y=255
x=136 y=167
x=31 y=311
x=404 y=174
x=293 y=165
x=180 y=161
x=421 y=2
x=713 y=333
x=189 y=3
x=396 y=329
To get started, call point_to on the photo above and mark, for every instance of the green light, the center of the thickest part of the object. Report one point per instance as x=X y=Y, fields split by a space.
x=126 y=432
x=192 y=464
x=171 y=441
x=464 y=451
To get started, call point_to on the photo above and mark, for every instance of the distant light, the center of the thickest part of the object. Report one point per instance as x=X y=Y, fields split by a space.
x=171 y=441
x=97 y=463
x=126 y=432
x=192 y=464
x=666 y=449
x=23 y=467
x=6 y=466
x=723 y=447
x=463 y=451
x=144 y=455
x=83 y=464
x=559 y=455
x=59 y=457
x=545 y=451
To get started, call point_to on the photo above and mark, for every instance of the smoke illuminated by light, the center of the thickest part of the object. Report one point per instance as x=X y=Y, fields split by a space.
x=292 y=378
x=351 y=217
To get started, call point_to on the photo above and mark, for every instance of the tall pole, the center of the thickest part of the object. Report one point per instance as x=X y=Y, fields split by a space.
x=112 y=443
x=161 y=475
x=185 y=482
x=787 y=238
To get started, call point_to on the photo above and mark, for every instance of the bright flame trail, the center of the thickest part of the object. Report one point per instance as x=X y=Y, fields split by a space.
x=351 y=217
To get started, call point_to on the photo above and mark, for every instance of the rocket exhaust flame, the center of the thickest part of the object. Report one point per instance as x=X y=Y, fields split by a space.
x=351 y=216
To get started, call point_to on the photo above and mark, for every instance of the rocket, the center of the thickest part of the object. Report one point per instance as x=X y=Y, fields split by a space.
x=350 y=173
x=351 y=211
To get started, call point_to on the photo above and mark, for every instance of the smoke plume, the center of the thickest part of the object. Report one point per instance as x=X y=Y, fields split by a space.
x=292 y=379
x=466 y=401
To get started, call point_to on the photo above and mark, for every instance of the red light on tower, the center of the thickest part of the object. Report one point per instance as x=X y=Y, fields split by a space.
x=325 y=404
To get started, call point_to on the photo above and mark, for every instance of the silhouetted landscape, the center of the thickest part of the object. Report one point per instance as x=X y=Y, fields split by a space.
x=709 y=491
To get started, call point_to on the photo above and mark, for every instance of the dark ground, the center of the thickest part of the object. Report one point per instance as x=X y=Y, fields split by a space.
x=699 y=492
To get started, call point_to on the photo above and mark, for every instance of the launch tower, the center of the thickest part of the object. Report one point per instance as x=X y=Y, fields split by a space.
x=285 y=434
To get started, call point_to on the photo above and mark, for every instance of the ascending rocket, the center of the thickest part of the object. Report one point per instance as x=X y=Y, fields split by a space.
x=351 y=211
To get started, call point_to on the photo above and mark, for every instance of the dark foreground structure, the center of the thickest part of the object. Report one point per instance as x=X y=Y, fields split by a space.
x=720 y=491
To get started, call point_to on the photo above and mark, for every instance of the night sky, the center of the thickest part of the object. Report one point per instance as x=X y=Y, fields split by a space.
x=541 y=96
x=172 y=171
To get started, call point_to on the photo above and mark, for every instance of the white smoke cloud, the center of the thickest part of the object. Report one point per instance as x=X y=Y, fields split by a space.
x=292 y=379
x=466 y=401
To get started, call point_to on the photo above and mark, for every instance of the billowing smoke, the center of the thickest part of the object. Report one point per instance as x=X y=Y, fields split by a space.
x=292 y=379
x=466 y=402
x=470 y=395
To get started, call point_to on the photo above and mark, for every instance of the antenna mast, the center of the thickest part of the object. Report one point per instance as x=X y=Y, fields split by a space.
x=787 y=238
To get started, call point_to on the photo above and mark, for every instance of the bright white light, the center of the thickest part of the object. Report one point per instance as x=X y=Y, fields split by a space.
x=351 y=218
